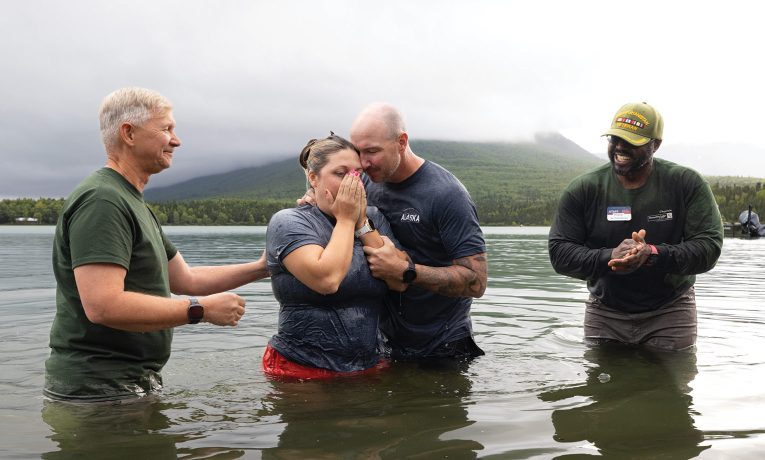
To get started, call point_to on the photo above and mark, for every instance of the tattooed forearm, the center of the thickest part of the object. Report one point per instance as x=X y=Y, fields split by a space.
x=466 y=278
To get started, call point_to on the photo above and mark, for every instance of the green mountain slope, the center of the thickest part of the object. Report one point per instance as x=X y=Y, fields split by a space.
x=511 y=184
x=279 y=180
x=500 y=176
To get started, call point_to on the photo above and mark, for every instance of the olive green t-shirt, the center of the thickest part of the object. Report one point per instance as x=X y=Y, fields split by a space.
x=105 y=220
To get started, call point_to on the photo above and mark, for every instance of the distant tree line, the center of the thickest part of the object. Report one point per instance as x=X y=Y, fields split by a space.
x=734 y=198
x=493 y=209
x=43 y=210
x=498 y=209
x=218 y=211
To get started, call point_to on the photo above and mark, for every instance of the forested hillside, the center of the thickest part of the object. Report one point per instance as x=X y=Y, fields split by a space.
x=511 y=184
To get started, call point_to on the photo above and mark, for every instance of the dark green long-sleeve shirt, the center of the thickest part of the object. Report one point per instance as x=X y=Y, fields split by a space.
x=675 y=207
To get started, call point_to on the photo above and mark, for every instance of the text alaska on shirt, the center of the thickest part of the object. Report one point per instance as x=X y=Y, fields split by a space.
x=410 y=215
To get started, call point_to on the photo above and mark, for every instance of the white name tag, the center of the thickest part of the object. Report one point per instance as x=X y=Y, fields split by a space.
x=619 y=213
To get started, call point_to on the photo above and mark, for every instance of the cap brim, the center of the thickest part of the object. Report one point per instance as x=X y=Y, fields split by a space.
x=632 y=138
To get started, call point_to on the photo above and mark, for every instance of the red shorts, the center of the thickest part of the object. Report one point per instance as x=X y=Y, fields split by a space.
x=276 y=365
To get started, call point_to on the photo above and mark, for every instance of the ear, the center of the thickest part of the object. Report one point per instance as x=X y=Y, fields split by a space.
x=656 y=144
x=403 y=141
x=312 y=179
x=127 y=133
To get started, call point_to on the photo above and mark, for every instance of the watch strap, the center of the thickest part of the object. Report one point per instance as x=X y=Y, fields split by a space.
x=366 y=228
x=410 y=274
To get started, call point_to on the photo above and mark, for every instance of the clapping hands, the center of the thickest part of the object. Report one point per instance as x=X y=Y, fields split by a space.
x=631 y=253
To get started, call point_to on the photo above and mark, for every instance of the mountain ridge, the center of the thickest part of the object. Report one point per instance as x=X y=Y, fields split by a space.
x=504 y=169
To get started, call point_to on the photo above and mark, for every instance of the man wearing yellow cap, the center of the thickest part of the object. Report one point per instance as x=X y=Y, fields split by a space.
x=637 y=230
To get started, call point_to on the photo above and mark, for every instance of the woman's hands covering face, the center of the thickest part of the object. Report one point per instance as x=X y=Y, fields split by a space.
x=347 y=204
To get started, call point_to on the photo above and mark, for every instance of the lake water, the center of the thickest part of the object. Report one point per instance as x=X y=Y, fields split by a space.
x=538 y=393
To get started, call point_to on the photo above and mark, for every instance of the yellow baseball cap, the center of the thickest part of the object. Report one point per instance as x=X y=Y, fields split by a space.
x=637 y=123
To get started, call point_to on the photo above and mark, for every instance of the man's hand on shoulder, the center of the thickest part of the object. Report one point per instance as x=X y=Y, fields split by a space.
x=308 y=198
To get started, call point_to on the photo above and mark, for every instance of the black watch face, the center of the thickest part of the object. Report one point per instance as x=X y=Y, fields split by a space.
x=409 y=275
x=196 y=312
x=371 y=224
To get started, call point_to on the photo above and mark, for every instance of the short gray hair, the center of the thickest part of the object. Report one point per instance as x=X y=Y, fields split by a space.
x=129 y=105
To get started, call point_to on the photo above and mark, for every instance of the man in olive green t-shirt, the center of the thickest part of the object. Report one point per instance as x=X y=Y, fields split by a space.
x=115 y=268
x=637 y=230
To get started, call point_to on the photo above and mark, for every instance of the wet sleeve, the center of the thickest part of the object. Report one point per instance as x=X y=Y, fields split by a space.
x=287 y=231
x=569 y=254
x=702 y=232
x=458 y=226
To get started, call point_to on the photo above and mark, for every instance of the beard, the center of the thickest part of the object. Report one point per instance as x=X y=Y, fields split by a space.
x=631 y=167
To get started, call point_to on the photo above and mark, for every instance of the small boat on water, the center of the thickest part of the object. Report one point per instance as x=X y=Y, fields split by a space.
x=750 y=223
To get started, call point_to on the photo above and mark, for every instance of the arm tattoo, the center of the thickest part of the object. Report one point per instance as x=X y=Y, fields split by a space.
x=465 y=278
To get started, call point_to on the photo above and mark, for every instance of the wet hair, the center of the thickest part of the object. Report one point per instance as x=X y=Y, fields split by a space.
x=129 y=105
x=315 y=154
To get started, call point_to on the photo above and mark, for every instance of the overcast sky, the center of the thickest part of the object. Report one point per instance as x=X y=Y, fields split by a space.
x=252 y=81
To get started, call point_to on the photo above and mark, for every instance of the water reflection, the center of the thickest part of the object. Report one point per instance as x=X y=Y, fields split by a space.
x=638 y=405
x=136 y=429
x=400 y=413
x=109 y=431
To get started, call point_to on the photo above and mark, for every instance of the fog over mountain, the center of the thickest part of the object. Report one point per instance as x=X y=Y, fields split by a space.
x=252 y=81
x=718 y=159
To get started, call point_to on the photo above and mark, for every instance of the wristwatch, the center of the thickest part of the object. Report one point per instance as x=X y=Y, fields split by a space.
x=196 y=311
x=410 y=274
x=368 y=226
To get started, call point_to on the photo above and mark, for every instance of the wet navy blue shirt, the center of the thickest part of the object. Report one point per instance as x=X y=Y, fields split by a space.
x=337 y=331
x=436 y=222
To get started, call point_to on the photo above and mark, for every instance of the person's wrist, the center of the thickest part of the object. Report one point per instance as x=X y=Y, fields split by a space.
x=195 y=312
x=367 y=227
x=409 y=273
x=361 y=220
x=345 y=220
x=653 y=255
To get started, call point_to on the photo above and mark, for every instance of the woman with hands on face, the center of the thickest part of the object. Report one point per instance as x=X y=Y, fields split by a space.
x=329 y=301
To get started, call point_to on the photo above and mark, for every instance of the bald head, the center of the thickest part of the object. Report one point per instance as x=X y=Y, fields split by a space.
x=379 y=116
x=380 y=135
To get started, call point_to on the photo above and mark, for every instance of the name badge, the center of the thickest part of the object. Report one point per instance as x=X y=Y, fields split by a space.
x=619 y=213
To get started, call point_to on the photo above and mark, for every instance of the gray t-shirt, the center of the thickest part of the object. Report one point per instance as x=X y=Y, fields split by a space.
x=337 y=331
x=434 y=218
